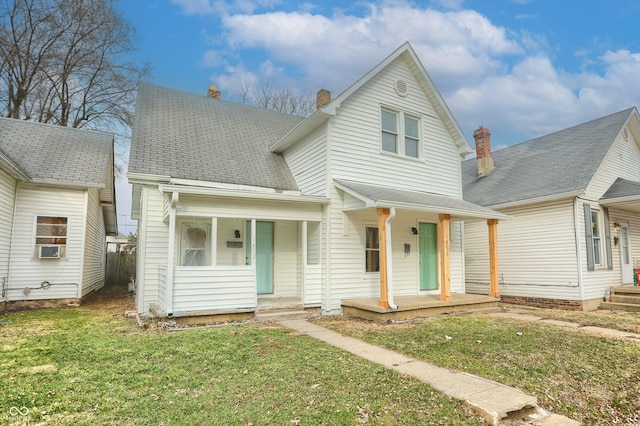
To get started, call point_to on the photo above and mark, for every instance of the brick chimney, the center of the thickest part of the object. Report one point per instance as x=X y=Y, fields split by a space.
x=322 y=98
x=213 y=92
x=483 y=151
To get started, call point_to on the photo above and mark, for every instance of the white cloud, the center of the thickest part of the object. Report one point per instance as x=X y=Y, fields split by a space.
x=488 y=74
x=456 y=45
x=221 y=7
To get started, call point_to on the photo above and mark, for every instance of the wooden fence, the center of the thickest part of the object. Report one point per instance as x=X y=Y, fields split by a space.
x=120 y=268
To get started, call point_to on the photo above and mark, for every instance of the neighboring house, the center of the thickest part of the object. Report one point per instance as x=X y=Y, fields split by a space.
x=57 y=204
x=117 y=243
x=238 y=205
x=574 y=199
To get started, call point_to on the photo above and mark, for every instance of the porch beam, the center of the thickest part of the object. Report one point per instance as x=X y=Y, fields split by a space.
x=383 y=214
x=171 y=260
x=445 y=257
x=494 y=288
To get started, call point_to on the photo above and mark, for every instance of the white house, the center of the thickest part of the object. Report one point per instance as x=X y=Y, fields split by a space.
x=238 y=205
x=57 y=204
x=574 y=199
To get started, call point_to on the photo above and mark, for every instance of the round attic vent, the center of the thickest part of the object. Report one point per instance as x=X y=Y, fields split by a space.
x=401 y=88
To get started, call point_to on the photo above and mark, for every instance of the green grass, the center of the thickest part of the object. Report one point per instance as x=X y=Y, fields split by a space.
x=623 y=321
x=87 y=366
x=587 y=378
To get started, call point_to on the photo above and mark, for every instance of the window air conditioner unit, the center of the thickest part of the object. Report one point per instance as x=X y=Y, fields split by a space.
x=49 y=252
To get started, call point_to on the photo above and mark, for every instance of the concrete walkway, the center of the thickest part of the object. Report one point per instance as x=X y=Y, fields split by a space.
x=493 y=401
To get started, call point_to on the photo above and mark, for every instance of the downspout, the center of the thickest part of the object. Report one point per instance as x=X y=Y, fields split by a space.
x=392 y=214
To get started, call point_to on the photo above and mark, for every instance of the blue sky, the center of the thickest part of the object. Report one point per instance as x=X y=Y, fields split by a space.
x=521 y=68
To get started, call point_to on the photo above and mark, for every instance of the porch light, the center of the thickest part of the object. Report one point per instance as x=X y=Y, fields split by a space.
x=414 y=231
x=616 y=225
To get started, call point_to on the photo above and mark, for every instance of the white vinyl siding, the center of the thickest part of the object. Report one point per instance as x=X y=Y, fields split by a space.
x=536 y=252
x=95 y=245
x=7 y=199
x=153 y=240
x=26 y=269
x=356 y=132
x=307 y=161
x=622 y=160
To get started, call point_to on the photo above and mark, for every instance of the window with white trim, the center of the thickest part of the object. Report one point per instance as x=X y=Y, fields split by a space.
x=51 y=236
x=372 y=250
x=596 y=237
x=195 y=244
x=400 y=133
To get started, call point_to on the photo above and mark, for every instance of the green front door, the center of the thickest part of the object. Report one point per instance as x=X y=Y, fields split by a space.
x=264 y=255
x=428 y=253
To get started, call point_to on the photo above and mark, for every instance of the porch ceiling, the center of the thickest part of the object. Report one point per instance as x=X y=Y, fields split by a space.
x=381 y=196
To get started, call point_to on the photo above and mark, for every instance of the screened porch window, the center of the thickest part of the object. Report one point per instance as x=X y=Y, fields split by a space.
x=195 y=243
x=372 y=250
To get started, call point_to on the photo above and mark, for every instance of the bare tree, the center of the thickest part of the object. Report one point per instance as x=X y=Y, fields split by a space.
x=287 y=100
x=65 y=62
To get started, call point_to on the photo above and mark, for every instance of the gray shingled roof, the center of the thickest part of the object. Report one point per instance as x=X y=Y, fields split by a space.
x=188 y=136
x=56 y=154
x=562 y=162
x=622 y=188
x=382 y=196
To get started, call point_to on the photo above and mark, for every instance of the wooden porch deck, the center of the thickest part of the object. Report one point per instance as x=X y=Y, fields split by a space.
x=411 y=307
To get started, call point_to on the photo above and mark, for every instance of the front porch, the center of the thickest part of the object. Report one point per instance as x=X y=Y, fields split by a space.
x=411 y=307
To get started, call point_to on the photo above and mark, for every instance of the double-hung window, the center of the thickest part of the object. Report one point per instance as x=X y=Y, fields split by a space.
x=400 y=133
x=372 y=250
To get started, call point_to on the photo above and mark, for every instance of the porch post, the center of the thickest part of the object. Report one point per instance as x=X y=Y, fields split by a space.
x=494 y=289
x=383 y=214
x=168 y=309
x=445 y=258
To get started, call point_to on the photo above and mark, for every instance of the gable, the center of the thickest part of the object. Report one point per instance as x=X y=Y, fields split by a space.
x=357 y=150
x=621 y=161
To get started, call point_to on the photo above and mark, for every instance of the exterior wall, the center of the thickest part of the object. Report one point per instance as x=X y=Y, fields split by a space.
x=153 y=237
x=95 y=245
x=307 y=160
x=7 y=200
x=536 y=253
x=26 y=269
x=355 y=133
x=596 y=282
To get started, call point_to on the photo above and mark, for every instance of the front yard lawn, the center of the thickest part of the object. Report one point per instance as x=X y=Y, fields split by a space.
x=87 y=366
x=591 y=379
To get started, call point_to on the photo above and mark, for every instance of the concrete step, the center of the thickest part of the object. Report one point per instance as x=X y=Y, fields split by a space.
x=613 y=306
x=627 y=289
x=618 y=298
x=281 y=315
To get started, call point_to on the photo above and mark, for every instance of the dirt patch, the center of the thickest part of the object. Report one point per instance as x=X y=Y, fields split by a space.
x=110 y=300
x=39 y=369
